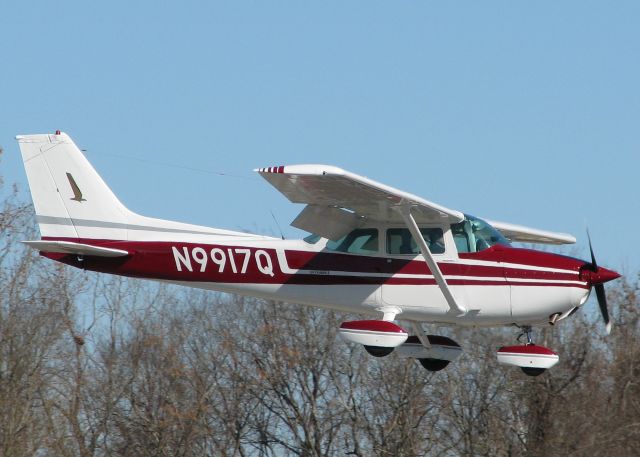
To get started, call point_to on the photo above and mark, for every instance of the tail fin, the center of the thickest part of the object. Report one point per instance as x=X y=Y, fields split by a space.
x=70 y=198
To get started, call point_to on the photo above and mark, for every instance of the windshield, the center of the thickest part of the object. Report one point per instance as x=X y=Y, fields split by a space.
x=475 y=235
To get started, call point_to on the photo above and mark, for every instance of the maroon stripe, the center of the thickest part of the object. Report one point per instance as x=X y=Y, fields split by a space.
x=527 y=349
x=351 y=280
x=155 y=259
x=368 y=264
x=373 y=326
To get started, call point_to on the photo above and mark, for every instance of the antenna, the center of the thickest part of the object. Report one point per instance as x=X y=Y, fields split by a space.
x=278 y=225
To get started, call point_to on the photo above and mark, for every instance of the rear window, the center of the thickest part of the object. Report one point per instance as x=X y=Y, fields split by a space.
x=359 y=241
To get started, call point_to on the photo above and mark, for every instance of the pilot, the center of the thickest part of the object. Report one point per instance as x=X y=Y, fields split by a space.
x=408 y=246
x=436 y=243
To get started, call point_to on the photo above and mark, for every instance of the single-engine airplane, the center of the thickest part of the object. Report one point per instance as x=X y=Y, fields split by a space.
x=373 y=249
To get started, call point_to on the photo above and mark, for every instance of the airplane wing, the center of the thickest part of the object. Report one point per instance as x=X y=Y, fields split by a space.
x=339 y=200
x=530 y=235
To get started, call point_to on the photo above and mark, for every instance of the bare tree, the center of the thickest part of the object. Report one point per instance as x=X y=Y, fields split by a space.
x=93 y=365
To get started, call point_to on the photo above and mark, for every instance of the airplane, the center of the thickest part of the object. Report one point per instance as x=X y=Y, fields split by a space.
x=373 y=250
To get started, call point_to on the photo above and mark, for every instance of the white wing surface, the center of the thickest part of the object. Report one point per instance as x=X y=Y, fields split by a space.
x=338 y=201
x=327 y=189
x=531 y=235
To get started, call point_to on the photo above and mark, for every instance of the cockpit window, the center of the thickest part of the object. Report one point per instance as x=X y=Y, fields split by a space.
x=475 y=235
x=359 y=241
x=400 y=241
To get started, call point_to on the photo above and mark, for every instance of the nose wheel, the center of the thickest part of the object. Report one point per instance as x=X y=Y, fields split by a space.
x=529 y=371
x=532 y=359
x=526 y=332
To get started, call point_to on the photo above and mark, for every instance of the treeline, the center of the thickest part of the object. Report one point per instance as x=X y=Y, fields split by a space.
x=94 y=365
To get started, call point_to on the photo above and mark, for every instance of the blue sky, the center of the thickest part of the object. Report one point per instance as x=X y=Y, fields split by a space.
x=527 y=112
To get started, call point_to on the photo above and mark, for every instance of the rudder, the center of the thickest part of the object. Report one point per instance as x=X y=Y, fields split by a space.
x=70 y=198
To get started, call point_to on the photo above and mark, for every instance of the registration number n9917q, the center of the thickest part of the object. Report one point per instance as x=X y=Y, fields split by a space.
x=234 y=260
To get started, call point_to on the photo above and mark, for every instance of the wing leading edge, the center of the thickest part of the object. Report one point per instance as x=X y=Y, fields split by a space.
x=336 y=195
x=531 y=235
x=339 y=201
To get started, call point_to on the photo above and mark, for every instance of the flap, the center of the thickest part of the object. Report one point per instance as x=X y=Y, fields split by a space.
x=530 y=235
x=328 y=186
x=327 y=221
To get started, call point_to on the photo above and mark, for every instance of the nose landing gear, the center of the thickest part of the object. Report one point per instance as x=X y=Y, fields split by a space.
x=531 y=358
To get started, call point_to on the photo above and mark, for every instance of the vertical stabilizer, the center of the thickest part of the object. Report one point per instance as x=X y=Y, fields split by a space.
x=71 y=200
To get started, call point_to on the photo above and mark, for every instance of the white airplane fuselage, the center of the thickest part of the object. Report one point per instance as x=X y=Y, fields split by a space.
x=393 y=244
x=501 y=285
x=376 y=250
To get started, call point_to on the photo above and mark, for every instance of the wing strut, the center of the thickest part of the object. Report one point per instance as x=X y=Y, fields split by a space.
x=428 y=257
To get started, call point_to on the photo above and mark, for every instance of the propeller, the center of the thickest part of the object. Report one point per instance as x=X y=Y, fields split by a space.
x=597 y=279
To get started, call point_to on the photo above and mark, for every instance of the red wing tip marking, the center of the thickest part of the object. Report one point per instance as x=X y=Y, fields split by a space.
x=526 y=349
x=277 y=169
x=373 y=326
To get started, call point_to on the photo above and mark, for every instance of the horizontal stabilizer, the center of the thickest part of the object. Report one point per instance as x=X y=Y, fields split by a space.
x=68 y=247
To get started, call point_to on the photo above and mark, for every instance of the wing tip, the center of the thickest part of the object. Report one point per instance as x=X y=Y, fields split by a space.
x=278 y=169
x=57 y=136
x=302 y=169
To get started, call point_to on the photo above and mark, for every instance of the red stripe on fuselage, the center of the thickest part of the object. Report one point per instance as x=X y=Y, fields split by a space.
x=156 y=259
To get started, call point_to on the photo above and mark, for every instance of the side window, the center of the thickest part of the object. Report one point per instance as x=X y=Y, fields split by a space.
x=400 y=241
x=359 y=241
x=461 y=237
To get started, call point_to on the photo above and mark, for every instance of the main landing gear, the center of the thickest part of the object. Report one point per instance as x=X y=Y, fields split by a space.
x=434 y=352
x=381 y=338
x=532 y=359
x=440 y=352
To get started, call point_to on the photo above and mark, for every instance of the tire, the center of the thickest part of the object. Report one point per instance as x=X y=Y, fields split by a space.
x=533 y=371
x=434 y=364
x=378 y=351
